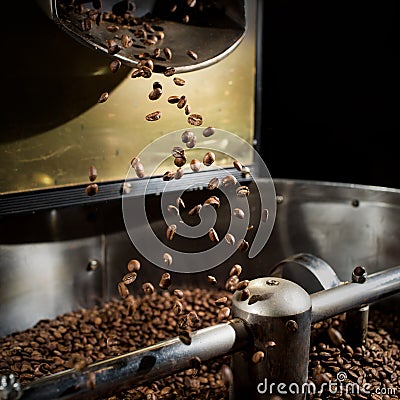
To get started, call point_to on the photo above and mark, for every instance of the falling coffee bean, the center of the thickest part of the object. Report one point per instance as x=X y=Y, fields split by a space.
x=178 y=293
x=171 y=231
x=243 y=245
x=242 y=191
x=236 y=270
x=133 y=265
x=139 y=170
x=148 y=288
x=208 y=158
x=192 y=54
x=92 y=173
x=122 y=290
x=157 y=85
x=173 y=210
x=92 y=189
x=195 y=210
x=211 y=280
x=209 y=131
x=177 y=308
x=168 y=53
x=335 y=336
x=180 y=161
x=179 y=81
x=188 y=109
x=165 y=281
x=242 y=284
x=213 y=184
x=229 y=180
x=126 y=41
x=115 y=65
x=238 y=213
x=195 y=165
x=167 y=258
x=185 y=338
x=221 y=301
x=224 y=313
x=257 y=357
x=103 y=97
x=230 y=239
x=237 y=165
x=182 y=102
x=174 y=100
x=212 y=234
x=178 y=151
x=179 y=173
x=187 y=136
x=129 y=278
x=195 y=119
x=169 y=71
x=180 y=203
x=168 y=176
x=154 y=116
x=155 y=94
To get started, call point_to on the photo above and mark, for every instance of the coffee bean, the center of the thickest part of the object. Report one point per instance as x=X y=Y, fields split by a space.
x=174 y=100
x=169 y=71
x=177 y=308
x=212 y=201
x=221 y=301
x=144 y=65
x=171 y=231
x=212 y=234
x=115 y=65
x=195 y=119
x=243 y=245
x=245 y=294
x=230 y=239
x=236 y=270
x=185 y=337
x=154 y=116
x=112 y=46
x=238 y=213
x=167 y=258
x=168 y=53
x=195 y=210
x=195 y=165
x=157 y=52
x=173 y=210
x=209 y=131
x=129 y=278
x=231 y=283
x=191 y=143
x=257 y=357
x=195 y=364
x=123 y=290
x=133 y=265
x=182 y=102
x=165 y=281
x=237 y=165
x=242 y=191
x=126 y=41
x=188 y=109
x=224 y=313
x=178 y=151
x=208 y=158
x=157 y=85
x=335 y=336
x=92 y=189
x=168 y=176
x=148 y=288
x=92 y=173
x=179 y=81
x=264 y=215
x=192 y=54
x=242 y=285
x=228 y=180
x=103 y=97
x=139 y=170
x=180 y=161
x=178 y=293
x=180 y=203
x=211 y=280
x=155 y=94
x=187 y=136
x=213 y=184
x=112 y=28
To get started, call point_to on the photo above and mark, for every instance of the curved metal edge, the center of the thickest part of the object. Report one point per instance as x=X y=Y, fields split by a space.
x=320 y=269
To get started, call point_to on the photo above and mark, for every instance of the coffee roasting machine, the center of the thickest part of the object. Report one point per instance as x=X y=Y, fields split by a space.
x=331 y=249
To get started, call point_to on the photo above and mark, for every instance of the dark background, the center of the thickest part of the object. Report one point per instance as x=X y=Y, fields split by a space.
x=331 y=91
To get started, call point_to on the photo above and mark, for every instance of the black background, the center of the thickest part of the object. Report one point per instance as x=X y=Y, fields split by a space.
x=331 y=91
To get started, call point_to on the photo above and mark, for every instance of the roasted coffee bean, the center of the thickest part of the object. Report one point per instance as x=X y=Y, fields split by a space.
x=242 y=285
x=133 y=265
x=168 y=176
x=231 y=283
x=230 y=239
x=335 y=336
x=154 y=116
x=146 y=72
x=211 y=280
x=212 y=234
x=195 y=119
x=115 y=65
x=212 y=201
x=165 y=281
x=150 y=42
x=167 y=258
x=139 y=170
x=129 y=278
x=179 y=81
x=155 y=94
x=243 y=245
x=173 y=210
x=188 y=109
x=213 y=184
x=195 y=210
x=92 y=189
x=191 y=143
x=174 y=100
x=92 y=173
x=195 y=365
x=221 y=301
x=168 y=53
x=264 y=215
x=238 y=213
x=209 y=158
x=178 y=293
x=245 y=294
x=145 y=63
x=242 y=191
x=229 y=180
x=126 y=41
x=193 y=319
x=157 y=85
x=177 y=308
x=113 y=46
x=209 y=131
x=237 y=165
x=137 y=73
x=171 y=231
x=180 y=161
x=186 y=19
x=224 y=313
x=180 y=203
x=169 y=71
x=148 y=288
x=187 y=136
x=192 y=54
x=195 y=165
x=122 y=290
x=178 y=151
x=112 y=28
x=258 y=356
x=185 y=337
x=103 y=97
x=236 y=270
x=157 y=53
x=182 y=102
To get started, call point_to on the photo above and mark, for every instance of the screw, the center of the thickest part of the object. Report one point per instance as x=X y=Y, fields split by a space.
x=272 y=282
x=93 y=265
x=279 y=199
x=292 y=326
x=359 y=275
